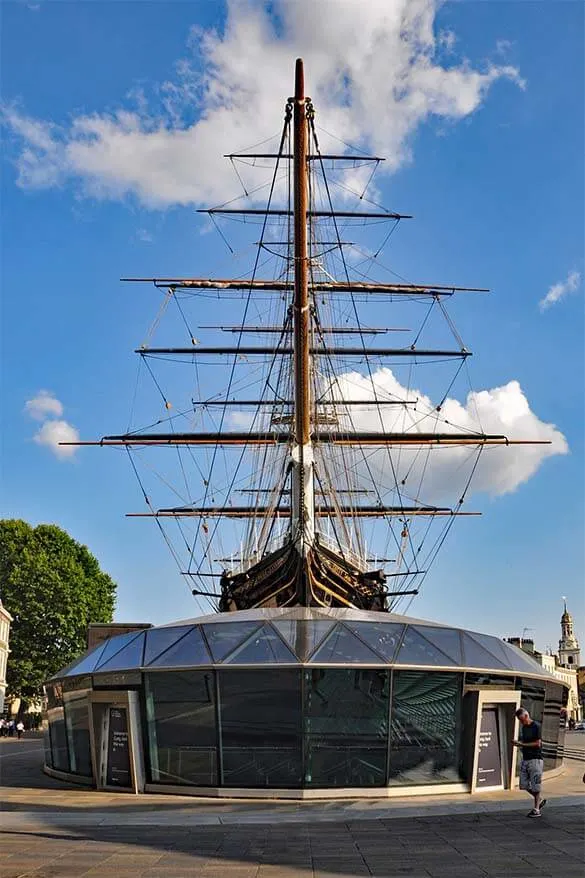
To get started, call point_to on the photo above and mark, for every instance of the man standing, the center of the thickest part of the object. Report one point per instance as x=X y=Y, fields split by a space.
x=532 y=764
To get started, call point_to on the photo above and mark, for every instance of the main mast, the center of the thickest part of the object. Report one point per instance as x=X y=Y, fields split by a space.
x=303 y=520
x=306 y=569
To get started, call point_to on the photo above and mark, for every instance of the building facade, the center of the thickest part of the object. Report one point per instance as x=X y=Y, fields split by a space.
x=569 y=652
x=299 y=703
x=5 y=620
x=564 y=666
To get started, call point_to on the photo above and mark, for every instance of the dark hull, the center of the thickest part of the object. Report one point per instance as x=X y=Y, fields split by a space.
x=321 y=579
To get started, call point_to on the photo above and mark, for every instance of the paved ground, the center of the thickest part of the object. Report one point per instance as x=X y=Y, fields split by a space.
x=50 y=829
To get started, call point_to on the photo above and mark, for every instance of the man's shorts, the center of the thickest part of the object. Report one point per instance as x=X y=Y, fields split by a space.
x=531 y=775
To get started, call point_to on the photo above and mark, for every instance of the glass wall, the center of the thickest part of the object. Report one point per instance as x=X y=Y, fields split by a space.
x=532 y=697
x=553 y=737
x=261 y=732
x=320 y=727
x=77 y=729
x=181 y=727
x=58 y=735
x=346 y=727
x=425 y=728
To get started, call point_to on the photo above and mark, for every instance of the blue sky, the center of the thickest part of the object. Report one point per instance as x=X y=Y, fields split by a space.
x=489 y=160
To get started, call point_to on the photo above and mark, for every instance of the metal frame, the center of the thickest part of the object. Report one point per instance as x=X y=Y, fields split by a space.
x=99 y=703
x=496 y=698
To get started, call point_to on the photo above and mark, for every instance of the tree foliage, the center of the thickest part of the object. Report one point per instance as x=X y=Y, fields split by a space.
x=53 y=588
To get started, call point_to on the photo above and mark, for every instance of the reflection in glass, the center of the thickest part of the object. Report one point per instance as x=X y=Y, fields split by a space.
x=260 y=719
x=225 y=636
x=487 y=680
x=478 y=657
x=188 y=651
x=159 y=639
x=551 y=725
x=532 y=697
x=417 y=650
x=520 y=661
x=87 y=664
x=384 y=637
x=342 y=646
x=59 y=752
x=180 y=716
x=346 y=727
x=128 y=657
x=303 y=636
x=263 y=647
x=425 y=723
x=113 y=646
x=448 y=640
x=77 y=727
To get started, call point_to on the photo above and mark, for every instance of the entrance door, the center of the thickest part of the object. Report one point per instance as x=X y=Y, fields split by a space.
x=116 y=741
x=118 y=772
x=489 y=759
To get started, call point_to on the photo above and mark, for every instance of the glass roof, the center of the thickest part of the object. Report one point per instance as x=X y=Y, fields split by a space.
x=304 y=635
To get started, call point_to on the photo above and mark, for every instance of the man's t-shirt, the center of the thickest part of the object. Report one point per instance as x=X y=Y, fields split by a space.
x=528 y=734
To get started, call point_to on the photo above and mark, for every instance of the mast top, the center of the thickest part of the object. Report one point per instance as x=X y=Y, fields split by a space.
x=299 y=80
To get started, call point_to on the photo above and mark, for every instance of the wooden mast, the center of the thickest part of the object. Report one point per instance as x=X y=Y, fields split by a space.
x=302 y=525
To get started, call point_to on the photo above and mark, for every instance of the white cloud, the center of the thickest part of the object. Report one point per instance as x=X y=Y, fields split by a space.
x=43 y=405
x=501 y=410
x=54 y=432
x=372 y=69
x=46 y=407
x=559 y=290
x=144 y=236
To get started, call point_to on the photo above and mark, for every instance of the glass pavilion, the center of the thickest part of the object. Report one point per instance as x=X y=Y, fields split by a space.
x=292 y=700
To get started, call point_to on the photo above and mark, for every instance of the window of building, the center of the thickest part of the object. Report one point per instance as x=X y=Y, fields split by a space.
x=181 y=726
x=425 y=727
x=552 y=734
x=59 y=750
x=346 y=727
x=261 y=728
x=77 y=728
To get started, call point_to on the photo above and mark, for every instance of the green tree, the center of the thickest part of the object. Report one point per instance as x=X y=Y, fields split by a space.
x=53 y=588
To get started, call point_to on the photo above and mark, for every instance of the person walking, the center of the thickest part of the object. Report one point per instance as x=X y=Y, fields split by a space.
x=532 y=764
x=19 y=729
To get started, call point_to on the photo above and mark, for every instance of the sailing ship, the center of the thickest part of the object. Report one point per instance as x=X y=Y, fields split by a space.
x=317 y=475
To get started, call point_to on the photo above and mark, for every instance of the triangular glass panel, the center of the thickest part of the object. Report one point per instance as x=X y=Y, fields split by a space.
x=384 y=637
x=114 y=645
x=223 y=637
x=262 y=647
x=520 y=661
x=85 y=664
x=417 y=650
x=128 y=657
x=478 y=657
x=287 y=628
x=160 y=639
x=303 y=636
x=493 y=645
x=343 y=647
x=448 y=640
x=190 y=650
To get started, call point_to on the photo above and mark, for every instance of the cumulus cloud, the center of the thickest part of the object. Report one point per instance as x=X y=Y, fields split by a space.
x=46 y=407
x=559 y=290
x=43 y=405
x=375 y=70
x=54 y=432
x=502 y=410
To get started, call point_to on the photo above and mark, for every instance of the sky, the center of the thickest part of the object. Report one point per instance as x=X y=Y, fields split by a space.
x=114 y=119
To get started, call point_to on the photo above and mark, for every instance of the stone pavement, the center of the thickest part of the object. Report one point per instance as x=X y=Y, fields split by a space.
x=50 y=829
